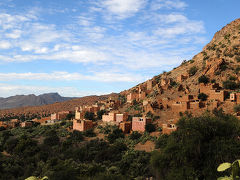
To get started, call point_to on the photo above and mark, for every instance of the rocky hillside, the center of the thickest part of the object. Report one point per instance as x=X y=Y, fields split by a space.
x=31 y=100
x=218 y=62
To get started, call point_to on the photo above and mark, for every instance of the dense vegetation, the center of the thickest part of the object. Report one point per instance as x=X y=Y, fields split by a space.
x=194 y=151
x=54 y=152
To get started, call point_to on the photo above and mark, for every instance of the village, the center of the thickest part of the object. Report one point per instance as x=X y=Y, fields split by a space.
x=163 y=113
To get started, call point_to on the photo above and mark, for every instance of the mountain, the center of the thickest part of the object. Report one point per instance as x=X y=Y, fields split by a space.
x=31 y=100
x=169 y=92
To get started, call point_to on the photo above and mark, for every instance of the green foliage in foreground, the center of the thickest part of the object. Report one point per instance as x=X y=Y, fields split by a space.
x=197 y=147
x=50 y=151
x=234 y=167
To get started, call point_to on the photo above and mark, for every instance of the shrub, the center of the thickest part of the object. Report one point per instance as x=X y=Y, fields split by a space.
x=237 y=58
x=192 y=71
x=236 y=108
x=90 y=133
x=230 y=85
x=202 y=96
x=135 y=135
x=232 y=78
x=89 y=115
x=150 y=127
x=203 y=79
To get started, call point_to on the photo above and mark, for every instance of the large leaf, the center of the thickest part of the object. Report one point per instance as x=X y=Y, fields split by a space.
x=223 y=167
x=225 y=178
x=32 y=178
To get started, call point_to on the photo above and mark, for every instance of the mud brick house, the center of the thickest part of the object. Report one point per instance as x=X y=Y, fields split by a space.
x=168 y=128
x=126 y=126
x=220 y=95
x=60 y=115
x=13 y=123
x=181 y=78
x=235 y=97
x=149 y=85
x=132 y=96
x=121 y=117
x=180 y=106
x=206 y=88
x=82 y=125
x=79 y=113
x=212 y=104
x=111 y=117
x=26 y=124
x=138 y=123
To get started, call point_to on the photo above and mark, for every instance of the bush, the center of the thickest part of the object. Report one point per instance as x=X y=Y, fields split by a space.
x=230 y=85
x=100 y=113
x=203 y=79
x=89 y=115
x=117 y=133
x=150 y=127
x=232 y=78
x=90 y=133
x=135 y=135
x=236 y=108
x=202 y=96
x=237 y=58
x=192 y=71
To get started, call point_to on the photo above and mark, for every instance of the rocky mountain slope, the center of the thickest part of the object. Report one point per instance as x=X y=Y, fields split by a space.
x=31 y=100
x=218 y=62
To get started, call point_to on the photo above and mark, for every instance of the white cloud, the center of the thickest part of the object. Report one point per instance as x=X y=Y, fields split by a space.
x=5 y=45
x=184 y=27
x=15 y=34
x=123 y=8
x=168 y=4
x=65 y=76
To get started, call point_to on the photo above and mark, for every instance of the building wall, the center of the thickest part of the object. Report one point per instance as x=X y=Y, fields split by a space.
x=125 y=127
x=138 y=123
x=180 y=106
x=109 y=118
x=168 y=128
x=82 y=125
x=149 y=85
x=218 y=95
x=121 y=117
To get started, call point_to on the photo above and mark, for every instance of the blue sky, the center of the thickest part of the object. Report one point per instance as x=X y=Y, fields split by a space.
x=85 y=47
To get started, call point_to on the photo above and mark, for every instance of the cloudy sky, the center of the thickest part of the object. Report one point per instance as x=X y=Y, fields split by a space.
x=84 y=47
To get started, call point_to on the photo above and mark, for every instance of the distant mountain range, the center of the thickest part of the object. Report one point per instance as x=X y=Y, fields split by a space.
x=31 y=100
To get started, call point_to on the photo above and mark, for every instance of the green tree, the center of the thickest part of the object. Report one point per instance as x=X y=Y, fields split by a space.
x=199 y=144
x=203 y=79
x=202 y=96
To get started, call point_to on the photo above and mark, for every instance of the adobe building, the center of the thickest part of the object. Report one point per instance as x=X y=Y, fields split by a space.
x=60 y=115
x=132 y=96
x=125 y=126
x=26 y=124
x=79 y=114
x=121 y=117
x=149 y=85
x=111 y=117
x=235 y=97
x=82 y=125
x=180 y=106
x=181 y=78
x=220 y=95
x=139 y=123
x=206 y=88
x=168 y=128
